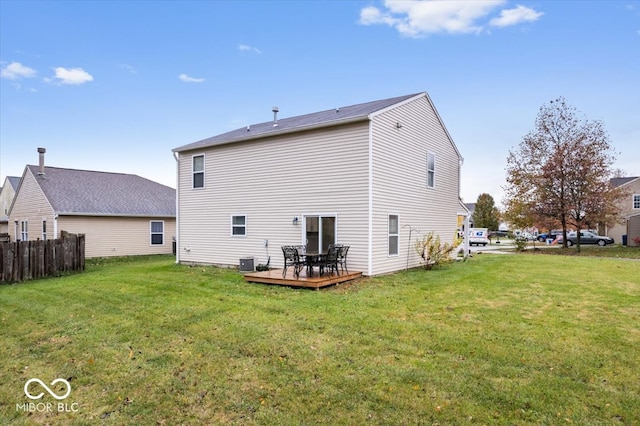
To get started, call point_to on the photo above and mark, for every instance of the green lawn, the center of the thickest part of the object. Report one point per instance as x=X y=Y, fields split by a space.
x=499 y=339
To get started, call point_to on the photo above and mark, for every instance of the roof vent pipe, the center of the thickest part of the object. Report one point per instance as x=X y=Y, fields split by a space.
x=41 y=151
x=275 y=115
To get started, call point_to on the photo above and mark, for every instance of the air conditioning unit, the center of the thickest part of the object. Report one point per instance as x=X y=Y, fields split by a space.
x=247 y=264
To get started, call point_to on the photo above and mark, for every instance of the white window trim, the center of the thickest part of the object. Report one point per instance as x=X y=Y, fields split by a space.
x=44 y=230
x=389 y=235
x=151 y=233
x=238 y=226
x=24 y=230
x=193 y=172
x=633 y=201
x=433 y=170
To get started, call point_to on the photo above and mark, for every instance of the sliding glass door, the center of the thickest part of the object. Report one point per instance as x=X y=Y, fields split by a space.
x=320 y=231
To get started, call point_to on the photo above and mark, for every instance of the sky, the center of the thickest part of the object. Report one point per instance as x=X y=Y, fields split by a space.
x=116 y=85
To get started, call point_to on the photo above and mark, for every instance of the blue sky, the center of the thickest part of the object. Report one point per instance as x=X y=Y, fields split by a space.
x=115 y=86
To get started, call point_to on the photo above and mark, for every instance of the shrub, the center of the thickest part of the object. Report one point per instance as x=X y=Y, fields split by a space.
x=520 y=243
x=636 y=240
x=433 y=252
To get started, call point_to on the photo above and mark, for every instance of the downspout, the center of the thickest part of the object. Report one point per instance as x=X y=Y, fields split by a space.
x=176 y=157
x=370 y=207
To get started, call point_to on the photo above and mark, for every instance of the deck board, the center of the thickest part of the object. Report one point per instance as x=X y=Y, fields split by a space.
x=274 y=276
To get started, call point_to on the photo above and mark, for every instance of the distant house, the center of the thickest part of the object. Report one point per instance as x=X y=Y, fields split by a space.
x=472 y=208
x=7 y=192
x=630 y=206
x=369 y=175
x=120 y=214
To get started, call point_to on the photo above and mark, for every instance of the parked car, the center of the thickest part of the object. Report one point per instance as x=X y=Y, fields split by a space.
x=551 y=235
x=586 y=237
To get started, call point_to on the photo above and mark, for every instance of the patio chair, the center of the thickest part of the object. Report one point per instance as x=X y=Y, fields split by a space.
x=342 y=257
x=331 y=260
x=291 y=258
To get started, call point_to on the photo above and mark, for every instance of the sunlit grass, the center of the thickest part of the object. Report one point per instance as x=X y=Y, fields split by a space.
x=520 y=339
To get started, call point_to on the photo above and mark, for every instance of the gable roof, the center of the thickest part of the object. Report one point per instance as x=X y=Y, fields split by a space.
x=85 y=192
x=616 y=182
x=326 y=118
x=14 y=181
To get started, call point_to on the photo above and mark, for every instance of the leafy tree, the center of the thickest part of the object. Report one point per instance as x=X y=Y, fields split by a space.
x=561 y=170
x=486 y=214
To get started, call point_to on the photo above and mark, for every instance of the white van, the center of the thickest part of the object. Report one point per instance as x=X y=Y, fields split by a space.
x=478 y=236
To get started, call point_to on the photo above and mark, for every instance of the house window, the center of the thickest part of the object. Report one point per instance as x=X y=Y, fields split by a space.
x=431 y=170
x=393 y=235
x=157 y=233
x=198 y=171
x=238 y=226
x=24 y=230
x=44 y=230
x=636 y=201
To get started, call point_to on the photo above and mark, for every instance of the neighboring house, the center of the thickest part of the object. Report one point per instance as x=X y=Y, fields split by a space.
x=472 y=209
x=630 y=206
x=120 y=214
x=7 y=192
x=366 y=175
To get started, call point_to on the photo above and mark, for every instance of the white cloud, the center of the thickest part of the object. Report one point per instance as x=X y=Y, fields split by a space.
x=417 y=18
x=246 y=48
x=128 y=68
x=515 y=16
x=72 y=76
x=15 y=71
x=187 y=79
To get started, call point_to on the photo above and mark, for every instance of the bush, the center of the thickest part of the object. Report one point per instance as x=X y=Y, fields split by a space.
x=520 y=243
x=433 y=252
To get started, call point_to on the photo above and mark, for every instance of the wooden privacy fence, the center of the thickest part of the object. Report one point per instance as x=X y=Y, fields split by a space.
x=26 y=260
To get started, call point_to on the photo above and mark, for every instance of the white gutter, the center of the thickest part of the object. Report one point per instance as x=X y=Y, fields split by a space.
x=370 y=225
x=176 y=157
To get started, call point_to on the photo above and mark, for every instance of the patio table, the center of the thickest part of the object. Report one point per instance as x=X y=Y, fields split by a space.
x=315 y=259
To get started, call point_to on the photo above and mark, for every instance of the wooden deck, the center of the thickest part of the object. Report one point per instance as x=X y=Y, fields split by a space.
x=274 y=276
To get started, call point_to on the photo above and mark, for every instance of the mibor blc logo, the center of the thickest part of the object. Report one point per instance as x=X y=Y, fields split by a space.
x=49 y=407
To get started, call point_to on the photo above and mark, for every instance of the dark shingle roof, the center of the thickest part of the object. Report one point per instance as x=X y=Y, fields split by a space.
x=14 y=181
x=301 y=122
x=85 y=192
x=616 y=182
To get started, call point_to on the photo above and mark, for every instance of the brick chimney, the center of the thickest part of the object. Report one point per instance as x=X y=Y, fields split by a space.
x=41 y=151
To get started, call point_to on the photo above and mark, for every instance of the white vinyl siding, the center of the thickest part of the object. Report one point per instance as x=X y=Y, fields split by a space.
x=118 y=236
x=400 y=182
x=30 y=205
x=157 y=232
x=281 y=178
x=198 y=171
x=238 y=225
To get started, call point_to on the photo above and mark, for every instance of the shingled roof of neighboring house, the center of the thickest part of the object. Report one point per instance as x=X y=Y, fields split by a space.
x=616 y=182
x=14 y=181
x=85 y=192
x=302 y=122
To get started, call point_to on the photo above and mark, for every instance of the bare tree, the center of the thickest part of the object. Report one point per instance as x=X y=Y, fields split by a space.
x=561 y=170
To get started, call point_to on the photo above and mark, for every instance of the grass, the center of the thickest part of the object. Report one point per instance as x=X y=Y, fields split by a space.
x=513 y=340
